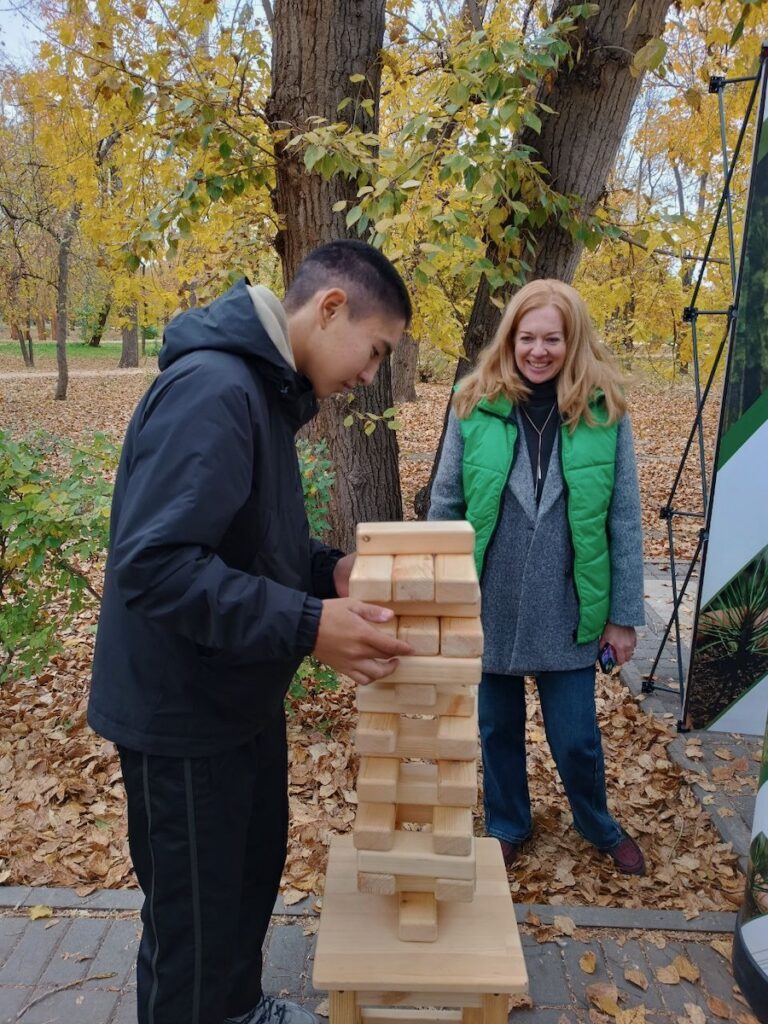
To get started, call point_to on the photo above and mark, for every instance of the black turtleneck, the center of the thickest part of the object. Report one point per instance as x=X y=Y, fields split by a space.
x=537 y=408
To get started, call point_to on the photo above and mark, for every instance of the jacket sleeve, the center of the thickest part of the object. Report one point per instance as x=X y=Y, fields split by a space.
x=448 y=489
x=625 y=536
x=324 y=561
x=189 y=470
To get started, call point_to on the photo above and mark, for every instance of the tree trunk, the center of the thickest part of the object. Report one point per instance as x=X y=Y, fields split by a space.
x=62 y=297
x=98 y=331
x=592 y=97
x=41 y=331
x=347 y=36
x=404 y=365
x=129 y=356
x=25 y=344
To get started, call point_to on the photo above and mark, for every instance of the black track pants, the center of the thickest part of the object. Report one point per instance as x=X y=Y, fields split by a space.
x=208 y=842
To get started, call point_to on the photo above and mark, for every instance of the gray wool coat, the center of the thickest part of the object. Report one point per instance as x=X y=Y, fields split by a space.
x=530 y=609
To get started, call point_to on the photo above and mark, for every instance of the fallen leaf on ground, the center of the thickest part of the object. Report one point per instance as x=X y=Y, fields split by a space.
x=724 y=947
x=322 y=1009
x=588 y=962
x=636 y=977
x=719 y=1008
x=695 y=1014
x=604 y=996
x=632 y=1015
x=564 y=924
x=668 y=975
x=686 y=969
x=39 y=911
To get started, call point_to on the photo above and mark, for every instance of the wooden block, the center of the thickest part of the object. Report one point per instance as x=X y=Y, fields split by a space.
x=375 y=827
x=456 y=738
x=465 y=610
x=437 y=671
x=461 y=638
x=342 y=1008
x=414 y=814
x=413 y=578
x=417 y=783
x=426 y=538
x=377 y=780
x=417 y=917
x=478 y=949
x=422 y=632
x=376 y=734
x=454 y=890
x=446 y=890
x=386 y=1001
x=456 y=579
x=457 y=783
x=409 y=694
x=376 y=884
x=409 y=1015
x=451 y=700
x=444 y=738
x=495 y=1009
x=412 y=854
x=451 y=830
x=371 y=578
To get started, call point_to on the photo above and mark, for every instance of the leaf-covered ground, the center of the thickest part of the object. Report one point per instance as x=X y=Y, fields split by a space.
x=61 y=800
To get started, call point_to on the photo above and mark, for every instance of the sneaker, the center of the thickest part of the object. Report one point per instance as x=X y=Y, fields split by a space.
x=510 y=852
x=628 y=857
x=275 y=1011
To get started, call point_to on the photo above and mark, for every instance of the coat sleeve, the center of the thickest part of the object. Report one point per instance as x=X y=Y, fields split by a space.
x=324 y=561
x=189 y=470
x=448 y=489
x=625 y=536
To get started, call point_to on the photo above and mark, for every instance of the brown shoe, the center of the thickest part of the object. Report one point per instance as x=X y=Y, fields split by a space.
x=510 y=852
x=628 y=857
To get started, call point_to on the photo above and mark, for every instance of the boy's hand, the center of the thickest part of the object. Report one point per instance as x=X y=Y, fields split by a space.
x=348 y=642
x=341 y=573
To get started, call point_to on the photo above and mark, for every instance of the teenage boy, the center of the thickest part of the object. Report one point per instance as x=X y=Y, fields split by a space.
x=214 y=593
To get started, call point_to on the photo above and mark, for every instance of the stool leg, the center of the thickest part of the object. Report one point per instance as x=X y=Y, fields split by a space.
x=342 y=1008
x=495 y=1009
x=471 y=1015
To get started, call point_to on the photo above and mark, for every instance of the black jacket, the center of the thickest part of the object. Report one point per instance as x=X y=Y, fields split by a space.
x=211 y=596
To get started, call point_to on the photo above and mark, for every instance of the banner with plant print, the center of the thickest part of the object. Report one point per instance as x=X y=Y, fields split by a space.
x=750 y=947
x=727 y=687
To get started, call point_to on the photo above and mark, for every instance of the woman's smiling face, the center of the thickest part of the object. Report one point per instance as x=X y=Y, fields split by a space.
x=539 y=344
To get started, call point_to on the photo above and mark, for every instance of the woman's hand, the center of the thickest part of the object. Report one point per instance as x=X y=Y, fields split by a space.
x=622 y=639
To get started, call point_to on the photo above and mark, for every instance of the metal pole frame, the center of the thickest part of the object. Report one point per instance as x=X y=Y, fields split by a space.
x=691 y=313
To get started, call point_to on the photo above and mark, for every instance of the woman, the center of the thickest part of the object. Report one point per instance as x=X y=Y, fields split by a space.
x=538 y=456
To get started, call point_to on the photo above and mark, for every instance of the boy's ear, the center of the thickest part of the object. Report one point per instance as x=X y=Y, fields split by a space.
x=329 y=304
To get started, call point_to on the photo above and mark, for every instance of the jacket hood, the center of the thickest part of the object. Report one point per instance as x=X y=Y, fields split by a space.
x=228 y=324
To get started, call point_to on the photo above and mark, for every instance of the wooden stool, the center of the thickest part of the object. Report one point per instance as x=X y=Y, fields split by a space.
x=466 y=976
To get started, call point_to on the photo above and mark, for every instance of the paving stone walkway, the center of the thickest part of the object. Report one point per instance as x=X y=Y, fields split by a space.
x=77 y=966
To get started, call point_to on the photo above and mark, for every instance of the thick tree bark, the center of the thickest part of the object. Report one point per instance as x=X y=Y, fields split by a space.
x=405 y=362
x=317 y=45
x=41 y=331
x=129 y=355
x=592 y=98
x=62 y=298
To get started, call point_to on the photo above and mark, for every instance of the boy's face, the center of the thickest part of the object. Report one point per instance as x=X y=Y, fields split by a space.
x=344 y=352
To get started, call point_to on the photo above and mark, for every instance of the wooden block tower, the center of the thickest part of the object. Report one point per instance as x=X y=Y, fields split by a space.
x=426 y=710
x=414 y=872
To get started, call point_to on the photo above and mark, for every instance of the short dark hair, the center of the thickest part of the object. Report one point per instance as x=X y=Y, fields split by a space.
x=365 y=273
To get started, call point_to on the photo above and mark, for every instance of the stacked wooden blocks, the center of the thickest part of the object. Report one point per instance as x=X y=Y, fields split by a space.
x=417 y=733
x=384 y=954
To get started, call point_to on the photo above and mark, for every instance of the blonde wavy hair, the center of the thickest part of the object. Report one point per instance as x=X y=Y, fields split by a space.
x=588 y=366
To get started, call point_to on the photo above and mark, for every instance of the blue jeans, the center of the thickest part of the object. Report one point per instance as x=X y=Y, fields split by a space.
x=570 y=721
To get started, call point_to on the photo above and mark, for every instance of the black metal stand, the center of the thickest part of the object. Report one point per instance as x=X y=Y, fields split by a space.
x=669 y=511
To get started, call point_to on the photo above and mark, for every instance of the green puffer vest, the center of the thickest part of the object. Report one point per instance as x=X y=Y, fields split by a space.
x=588 y=462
